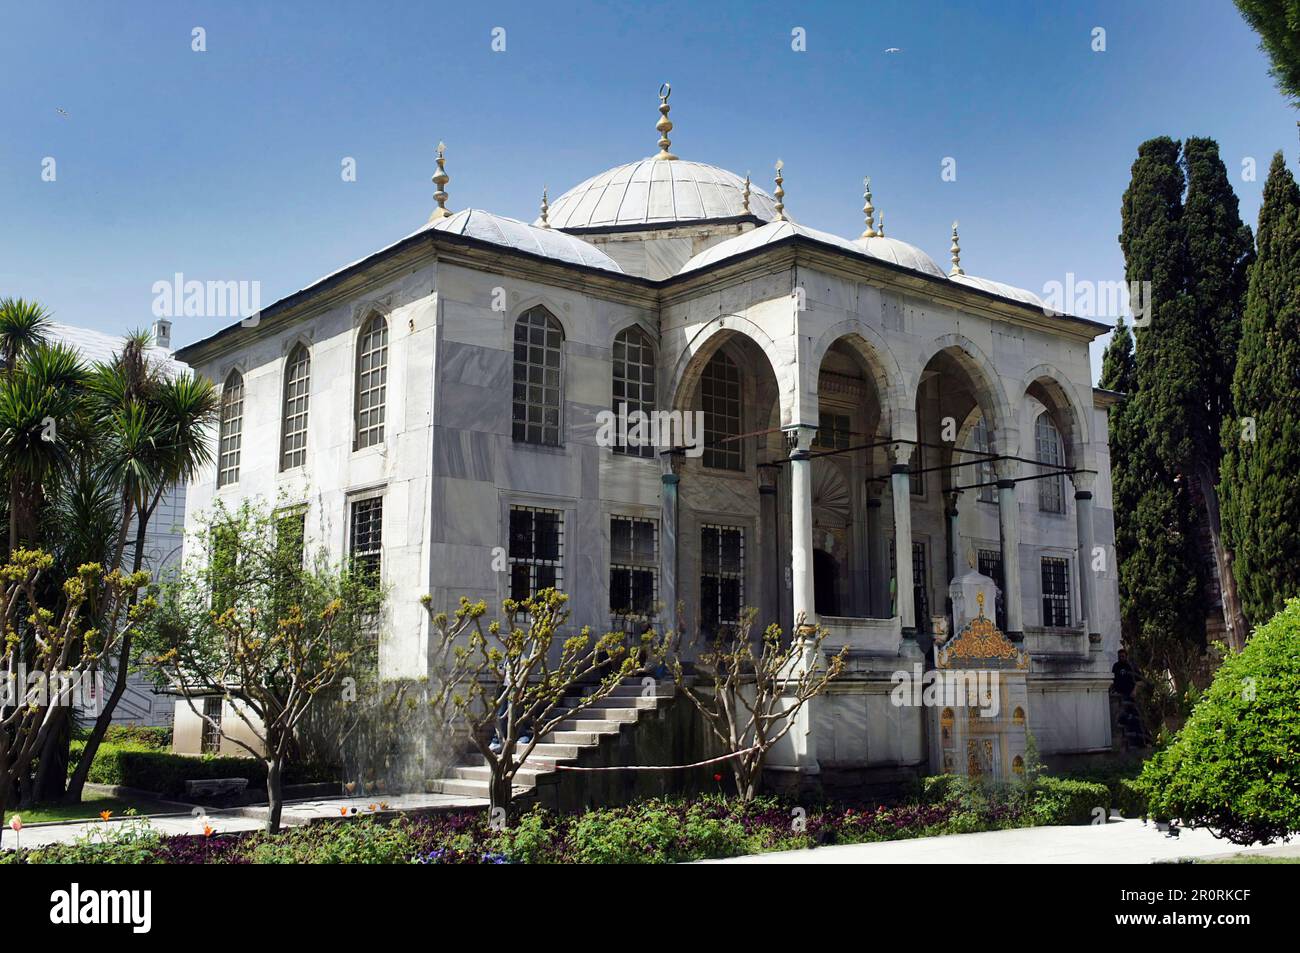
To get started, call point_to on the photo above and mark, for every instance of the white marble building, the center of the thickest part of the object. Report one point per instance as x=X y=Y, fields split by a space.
x=435 y=406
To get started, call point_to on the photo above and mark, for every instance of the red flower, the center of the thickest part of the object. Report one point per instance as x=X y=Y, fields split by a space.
x=717 y=777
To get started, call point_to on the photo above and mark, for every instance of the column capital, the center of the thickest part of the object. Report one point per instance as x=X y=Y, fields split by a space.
x=1006 y=470
x=1084 y=483
x=798 y=439
x=900 y=454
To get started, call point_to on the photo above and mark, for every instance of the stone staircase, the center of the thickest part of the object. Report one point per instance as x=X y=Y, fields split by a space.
x=587 y=737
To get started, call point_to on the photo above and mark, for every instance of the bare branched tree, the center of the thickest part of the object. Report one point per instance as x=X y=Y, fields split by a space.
x=749 y=695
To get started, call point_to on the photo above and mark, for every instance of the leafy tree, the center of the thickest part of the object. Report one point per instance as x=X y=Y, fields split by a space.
x=1261 y=463
x=750 y=696
x=64 y=648
x=1278 y=24
x=507 y=682
x=1233 y=767
x=268 y=628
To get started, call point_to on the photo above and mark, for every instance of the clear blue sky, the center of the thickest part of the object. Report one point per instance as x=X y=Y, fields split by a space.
x=226 y=164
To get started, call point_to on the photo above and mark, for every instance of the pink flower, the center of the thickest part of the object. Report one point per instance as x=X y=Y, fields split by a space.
x=16 y=822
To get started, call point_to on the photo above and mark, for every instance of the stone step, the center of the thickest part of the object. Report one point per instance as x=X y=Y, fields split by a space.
x=525 y=777
x=616 y=701
x=463 y=788
x=605 y=714
x=588 y=724
x=584 y=737
x=633 y=688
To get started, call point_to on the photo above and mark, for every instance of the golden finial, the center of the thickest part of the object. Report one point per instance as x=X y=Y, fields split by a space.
x=664 y=125
x=440 y=179
x=881 y=231
x=744 y=196
x=979 y=597
x=779 y=194
x=956 y=253
x=868 y=209
x=546 y=209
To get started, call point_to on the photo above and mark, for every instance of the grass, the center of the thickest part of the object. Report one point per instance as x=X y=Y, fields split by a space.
x=90 y=807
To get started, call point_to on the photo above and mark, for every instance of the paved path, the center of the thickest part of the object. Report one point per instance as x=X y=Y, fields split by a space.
x=1117 y=842
x=295 y=814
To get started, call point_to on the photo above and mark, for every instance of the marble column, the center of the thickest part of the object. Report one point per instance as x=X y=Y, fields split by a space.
x=668 y=542
x=878 y=555
x=1083 y=485
x=770 y=560
x=955 y=556
x=901 y=490
x=1009 y=521
x=799 y=439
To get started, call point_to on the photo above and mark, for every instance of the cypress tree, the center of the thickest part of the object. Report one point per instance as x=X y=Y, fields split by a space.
x=1219 y=249
x=1261 y=476
x=1161 y=574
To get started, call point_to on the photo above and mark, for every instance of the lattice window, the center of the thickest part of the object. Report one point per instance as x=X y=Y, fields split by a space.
x=231 y=430
x=720 y=402
x=297 y=387
x=536 y=551
x=1056 y=592
x=538 y=379
x=722 y=577
x=633 y=566
x=211 y=738
x=1047 y=443
x=366 y=545
x=990 y=564
x=372 y=382
x=834 y=432
x=634 y=381
x=984 y=470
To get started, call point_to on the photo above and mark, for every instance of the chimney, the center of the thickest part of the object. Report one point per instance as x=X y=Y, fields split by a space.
x=162 y=333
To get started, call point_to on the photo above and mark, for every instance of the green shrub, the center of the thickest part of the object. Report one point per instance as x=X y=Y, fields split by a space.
x=1067 y=801
x=158 y=738
x=1235 y=765
x=133 y=765
x=344 y=842
x=1128 y=797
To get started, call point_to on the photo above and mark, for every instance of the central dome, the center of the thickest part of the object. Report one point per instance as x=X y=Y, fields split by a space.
x=655 y=192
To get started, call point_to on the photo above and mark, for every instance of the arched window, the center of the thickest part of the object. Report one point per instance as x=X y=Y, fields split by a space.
x=1049 y=450
x=232 y=429
x=372 y=382
x=539 y=378
x=982 y=469
x=720 y=401
x=297 y=388
x=634 y=382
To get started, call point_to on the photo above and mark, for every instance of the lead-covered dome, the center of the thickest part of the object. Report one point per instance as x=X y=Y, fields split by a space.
x=511 y=233
x=758 y=237
x=899 y=253
x=652 y=191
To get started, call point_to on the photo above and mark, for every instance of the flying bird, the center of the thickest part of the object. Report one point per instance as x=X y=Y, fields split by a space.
x=894 y=49
x=62 y=112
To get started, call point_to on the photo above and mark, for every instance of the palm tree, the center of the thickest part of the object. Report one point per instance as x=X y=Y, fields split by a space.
x=23 y=325
x=39 y=395
x=157 y=433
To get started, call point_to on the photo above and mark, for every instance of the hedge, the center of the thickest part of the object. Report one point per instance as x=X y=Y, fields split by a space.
x=1067 y=801
x=135 y=766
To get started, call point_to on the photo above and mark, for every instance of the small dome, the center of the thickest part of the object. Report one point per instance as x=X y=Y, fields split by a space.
x=1000 y=289
x=764 y=235
x=657 y=192
x=546 y=242
x=899 y=253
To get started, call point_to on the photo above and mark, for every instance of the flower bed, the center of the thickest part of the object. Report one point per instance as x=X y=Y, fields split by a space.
x=653 y=831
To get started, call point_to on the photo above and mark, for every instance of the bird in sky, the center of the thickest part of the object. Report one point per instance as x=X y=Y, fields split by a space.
x=894 y=49
x=62 y=112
